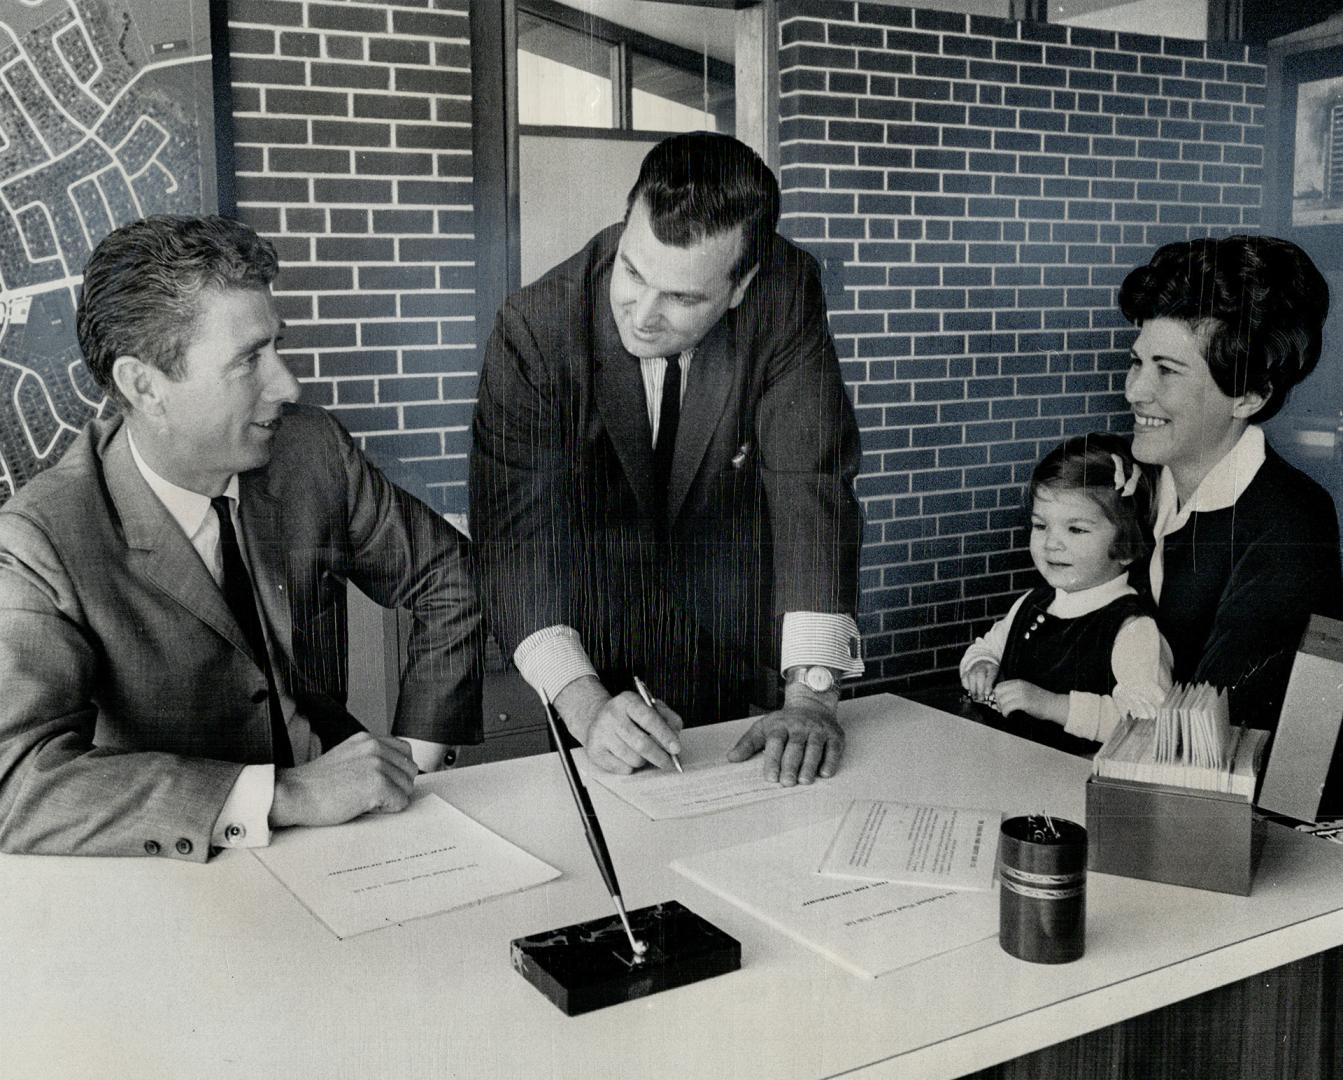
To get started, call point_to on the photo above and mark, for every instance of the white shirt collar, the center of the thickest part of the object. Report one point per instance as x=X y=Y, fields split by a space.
x=1225 y=483
x=188 y=508
x=1073 y=605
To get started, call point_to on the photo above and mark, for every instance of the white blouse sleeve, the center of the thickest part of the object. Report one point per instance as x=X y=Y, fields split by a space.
x=991 y=645
x=1141 y=663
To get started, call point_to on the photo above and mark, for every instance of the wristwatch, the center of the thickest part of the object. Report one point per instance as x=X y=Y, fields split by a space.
x=818 y=679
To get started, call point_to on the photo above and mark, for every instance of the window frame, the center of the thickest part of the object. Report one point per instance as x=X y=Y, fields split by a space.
x=623 y=41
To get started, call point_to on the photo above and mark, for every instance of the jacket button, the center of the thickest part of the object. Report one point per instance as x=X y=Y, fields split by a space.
x=234 y=833
x=151 y=847
x=183 y=846
x=258 y=696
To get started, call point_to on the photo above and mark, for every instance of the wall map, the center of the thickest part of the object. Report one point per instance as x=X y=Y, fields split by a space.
x=106 y=115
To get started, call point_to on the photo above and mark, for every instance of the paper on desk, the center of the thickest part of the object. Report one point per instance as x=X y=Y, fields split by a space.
x=702 y=789
x=383 y=869
x=868 y=928
x=915 y=845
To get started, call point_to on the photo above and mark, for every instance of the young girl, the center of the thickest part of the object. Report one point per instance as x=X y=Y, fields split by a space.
x=1082 y=649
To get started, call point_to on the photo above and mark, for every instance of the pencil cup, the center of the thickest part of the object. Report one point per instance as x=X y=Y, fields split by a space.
x=1042 y=876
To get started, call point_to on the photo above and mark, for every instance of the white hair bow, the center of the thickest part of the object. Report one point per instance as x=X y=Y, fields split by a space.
x=1125 y=486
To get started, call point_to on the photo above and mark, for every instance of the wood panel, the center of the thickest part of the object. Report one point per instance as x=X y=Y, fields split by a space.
x=1282 y=1025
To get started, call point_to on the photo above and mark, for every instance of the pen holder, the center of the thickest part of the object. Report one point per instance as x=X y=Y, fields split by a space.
x=1042 y=875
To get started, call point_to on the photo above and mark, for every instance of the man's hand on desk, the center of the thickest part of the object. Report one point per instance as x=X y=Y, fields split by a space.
x=365 y=772
x=801 y=741
x=620 y=733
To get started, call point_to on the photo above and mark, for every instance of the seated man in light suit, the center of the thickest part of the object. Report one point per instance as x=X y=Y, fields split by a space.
x=172 y=592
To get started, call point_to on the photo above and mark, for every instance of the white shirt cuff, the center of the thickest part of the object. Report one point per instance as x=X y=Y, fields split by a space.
x=1090 y=716
x=244 y=820
x=823 y=639
x=429 y=756
x=552 y=658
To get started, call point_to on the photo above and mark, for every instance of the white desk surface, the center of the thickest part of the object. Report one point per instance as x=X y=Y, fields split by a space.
x=148 y=969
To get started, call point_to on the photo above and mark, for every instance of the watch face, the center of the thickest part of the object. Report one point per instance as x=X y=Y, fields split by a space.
x=819 y=679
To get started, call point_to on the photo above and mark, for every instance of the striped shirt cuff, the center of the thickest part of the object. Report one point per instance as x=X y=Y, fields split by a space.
x=822 y=639
x=552 y=658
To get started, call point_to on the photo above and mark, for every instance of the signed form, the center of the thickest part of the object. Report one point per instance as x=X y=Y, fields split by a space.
x=383 y=869
x=703 y=789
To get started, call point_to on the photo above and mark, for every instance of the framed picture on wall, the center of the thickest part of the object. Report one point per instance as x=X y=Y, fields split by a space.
x=1303 y=182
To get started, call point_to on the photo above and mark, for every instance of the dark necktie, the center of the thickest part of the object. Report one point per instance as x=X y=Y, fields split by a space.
x=669 y=418
x=238 y=594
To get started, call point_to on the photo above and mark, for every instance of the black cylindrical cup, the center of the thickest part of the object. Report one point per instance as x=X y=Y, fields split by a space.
x=1042 y=877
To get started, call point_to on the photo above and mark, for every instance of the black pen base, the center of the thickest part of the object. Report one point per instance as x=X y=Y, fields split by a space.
x=589 y=966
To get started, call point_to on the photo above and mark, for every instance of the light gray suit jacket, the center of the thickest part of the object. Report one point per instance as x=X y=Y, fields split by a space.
x=129 y=700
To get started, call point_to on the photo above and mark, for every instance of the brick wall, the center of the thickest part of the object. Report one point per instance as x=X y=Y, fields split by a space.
x=353 y=152
x=977 y=188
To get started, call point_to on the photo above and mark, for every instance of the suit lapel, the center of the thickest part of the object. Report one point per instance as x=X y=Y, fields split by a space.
x=619 y=392
x=712 y=373
x=160 y=551
x=260 y=514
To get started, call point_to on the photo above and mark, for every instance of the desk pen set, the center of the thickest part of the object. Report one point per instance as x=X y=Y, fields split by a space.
x=1174 y=799
x=606 y=961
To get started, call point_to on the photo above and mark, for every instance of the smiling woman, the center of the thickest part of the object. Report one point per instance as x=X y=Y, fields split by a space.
x=1247 y=547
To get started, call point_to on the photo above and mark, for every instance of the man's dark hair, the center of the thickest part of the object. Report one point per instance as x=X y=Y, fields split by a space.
x=143 y=282
x=1259 y=302
x=1086 y=463
x=701 y=184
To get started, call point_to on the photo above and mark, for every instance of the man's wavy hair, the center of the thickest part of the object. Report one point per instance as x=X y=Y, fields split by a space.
x=1086 y=463
x=1257 y=302
x=143 y=282
x=701 y=184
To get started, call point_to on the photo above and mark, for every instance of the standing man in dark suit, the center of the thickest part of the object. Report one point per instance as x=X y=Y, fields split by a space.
x=662 y=475
x=172 y=592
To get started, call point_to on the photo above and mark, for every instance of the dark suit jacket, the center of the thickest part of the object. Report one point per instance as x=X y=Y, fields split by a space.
x=130 y=699
x=761 y=516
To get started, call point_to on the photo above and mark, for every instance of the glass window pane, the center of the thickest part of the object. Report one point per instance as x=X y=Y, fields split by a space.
x=668 y=98
x=564 y=77
x=1170 y=18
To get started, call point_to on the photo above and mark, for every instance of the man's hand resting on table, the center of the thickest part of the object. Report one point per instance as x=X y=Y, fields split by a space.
x=364 y=773
x=620 y=733
x=801 y=741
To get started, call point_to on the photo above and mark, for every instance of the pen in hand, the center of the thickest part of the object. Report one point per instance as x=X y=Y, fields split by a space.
x=642 y=687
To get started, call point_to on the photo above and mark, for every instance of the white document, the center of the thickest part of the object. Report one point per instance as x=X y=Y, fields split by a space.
x=702 y=789
x=383 y=869
x=868 y=928
x=943 y=846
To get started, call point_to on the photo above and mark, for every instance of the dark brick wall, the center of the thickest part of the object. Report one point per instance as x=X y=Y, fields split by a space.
x=977 y=188
x=353 y=152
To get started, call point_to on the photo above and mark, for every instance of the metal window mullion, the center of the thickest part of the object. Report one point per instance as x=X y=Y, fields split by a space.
x=622 y=90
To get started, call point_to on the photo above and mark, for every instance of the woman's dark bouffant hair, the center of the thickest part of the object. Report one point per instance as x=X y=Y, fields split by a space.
x=1084 y=462
x=1259 y=300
